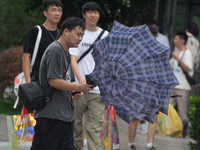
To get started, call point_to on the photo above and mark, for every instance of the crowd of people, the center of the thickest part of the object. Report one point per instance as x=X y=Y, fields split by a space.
x=75 y=121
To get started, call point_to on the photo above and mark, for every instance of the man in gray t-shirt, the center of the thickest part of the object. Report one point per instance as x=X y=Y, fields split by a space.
x=54 y=122
x=61 y=104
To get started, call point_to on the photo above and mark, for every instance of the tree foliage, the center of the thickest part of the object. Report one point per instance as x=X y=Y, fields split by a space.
x=124 y=11
x=18 y=16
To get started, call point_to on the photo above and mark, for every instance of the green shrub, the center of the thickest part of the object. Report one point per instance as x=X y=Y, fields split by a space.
x=194 y=117
x=11 y=66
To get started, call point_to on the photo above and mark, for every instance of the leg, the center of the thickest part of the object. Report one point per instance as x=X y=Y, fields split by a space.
x=84 y=135
x=172 y=101
x=132 y=130
x=94 y=117
x=182 y=109
x=182 y=104
x=53 y=134
x=79 y=108
x=151 y=131
x=67 y=141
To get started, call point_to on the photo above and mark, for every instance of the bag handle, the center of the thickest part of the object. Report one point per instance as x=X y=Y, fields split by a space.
x=111 y=108
x=84 y=54
x=23 y=112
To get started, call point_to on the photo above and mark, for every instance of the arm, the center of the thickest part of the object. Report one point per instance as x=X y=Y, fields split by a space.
x=76 y=69
x=61 y=84
x=182 y=64
x=26 y=63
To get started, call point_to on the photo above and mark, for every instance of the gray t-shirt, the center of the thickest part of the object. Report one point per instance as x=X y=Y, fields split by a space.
x=54 y=64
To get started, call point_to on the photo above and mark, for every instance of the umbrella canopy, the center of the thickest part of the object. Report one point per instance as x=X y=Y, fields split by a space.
x=133 y=72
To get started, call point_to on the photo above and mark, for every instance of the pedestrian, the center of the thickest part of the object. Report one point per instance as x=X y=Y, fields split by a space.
x=90 y=103
x=52 y=12
x=181 y=60
x=54 y=122
x=160 y=37
x=151 y=129
x=192 y=44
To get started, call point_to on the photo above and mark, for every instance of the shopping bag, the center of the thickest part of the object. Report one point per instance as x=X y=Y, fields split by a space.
x=110 y=133
x=21 y=130
x=171 y=124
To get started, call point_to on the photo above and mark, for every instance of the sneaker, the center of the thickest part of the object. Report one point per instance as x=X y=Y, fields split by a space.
x=132 y=147
x=151 y=148
x=143 y=128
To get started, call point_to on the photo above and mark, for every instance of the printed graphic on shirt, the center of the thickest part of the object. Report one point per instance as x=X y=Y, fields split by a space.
x=68 y=75
x=86 y=44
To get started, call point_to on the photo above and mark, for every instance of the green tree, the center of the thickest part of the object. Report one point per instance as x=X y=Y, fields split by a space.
x=17 y=17
x=124 y=11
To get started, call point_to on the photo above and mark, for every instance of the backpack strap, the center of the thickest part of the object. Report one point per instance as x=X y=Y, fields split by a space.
x=21 y=75
x=37 y=43
x=84 y=54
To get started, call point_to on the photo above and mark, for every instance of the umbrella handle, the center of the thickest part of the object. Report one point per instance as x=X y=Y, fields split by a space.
x=112 y=113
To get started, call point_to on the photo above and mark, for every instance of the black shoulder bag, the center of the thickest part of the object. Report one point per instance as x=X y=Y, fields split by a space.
x=33 y=96
x=86 y=52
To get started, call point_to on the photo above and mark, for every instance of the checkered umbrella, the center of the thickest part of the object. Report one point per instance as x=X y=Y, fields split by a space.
x=133 y=72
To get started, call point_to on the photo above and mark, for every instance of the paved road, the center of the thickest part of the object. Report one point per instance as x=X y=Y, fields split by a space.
x=161 y=143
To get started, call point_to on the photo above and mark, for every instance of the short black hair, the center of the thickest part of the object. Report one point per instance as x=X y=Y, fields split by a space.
x=137 y=23
x=182 y=35
x=151 y=22
x=193 y=28
x=47 y=3
x=71 y=23
x=90 y=6
x=153 y=30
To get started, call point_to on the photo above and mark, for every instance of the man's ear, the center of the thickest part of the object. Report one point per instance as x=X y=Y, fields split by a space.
x=45 y=13
x=83 y=15
x=66 y=31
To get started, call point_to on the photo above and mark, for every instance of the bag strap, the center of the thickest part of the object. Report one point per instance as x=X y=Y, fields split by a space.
x=84 y=54
x=37 y=43
x=111 y=108
x=49 y=96
x=23 y=112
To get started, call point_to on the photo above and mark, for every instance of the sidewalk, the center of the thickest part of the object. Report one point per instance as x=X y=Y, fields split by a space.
x=161 y=143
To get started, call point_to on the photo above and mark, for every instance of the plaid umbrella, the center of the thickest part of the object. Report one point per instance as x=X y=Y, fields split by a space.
x=133 y=72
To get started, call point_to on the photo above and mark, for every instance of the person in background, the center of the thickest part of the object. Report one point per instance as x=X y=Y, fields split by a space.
x=90 y=103
x=134 y=122
x=160 y=37
x=181 y=60
x=52 y=12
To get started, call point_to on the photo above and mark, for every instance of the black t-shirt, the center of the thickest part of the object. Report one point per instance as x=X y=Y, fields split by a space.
x=47 y=38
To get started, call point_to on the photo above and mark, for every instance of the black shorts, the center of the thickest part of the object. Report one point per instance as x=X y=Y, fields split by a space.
x=53 y=134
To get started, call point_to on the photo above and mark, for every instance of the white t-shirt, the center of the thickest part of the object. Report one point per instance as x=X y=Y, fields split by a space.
x=87 y=64
x=163 y=39
x=188 y=60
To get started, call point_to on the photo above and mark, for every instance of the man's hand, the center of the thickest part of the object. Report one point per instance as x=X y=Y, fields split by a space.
x=86 y=87
x=77 y=96
x=82 y=81
x=176 y=56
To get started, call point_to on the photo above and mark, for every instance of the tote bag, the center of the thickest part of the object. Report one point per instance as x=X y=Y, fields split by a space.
x=21 y=130
x=110 y=132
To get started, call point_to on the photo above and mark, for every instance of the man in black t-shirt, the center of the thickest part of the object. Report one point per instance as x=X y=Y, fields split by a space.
x=53 y=13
